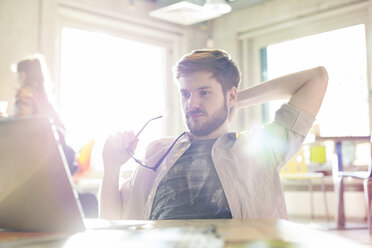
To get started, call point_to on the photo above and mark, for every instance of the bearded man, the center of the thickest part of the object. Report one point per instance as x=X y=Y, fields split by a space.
x=209 y=172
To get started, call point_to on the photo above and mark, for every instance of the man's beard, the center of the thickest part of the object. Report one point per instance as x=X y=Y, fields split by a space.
x=213 y=122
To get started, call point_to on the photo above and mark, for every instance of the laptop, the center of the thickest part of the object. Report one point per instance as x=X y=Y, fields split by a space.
x=36 y=192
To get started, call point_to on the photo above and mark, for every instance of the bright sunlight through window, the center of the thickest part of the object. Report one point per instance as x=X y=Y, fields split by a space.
x=342 y=52
x=110 y=84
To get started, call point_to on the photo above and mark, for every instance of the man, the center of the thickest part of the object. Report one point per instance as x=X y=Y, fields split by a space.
x=209 y=172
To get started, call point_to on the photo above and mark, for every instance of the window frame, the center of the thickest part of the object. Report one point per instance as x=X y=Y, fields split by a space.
x=173 y=40
x=253 y=40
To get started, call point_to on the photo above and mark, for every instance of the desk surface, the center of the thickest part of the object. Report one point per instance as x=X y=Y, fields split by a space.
x=263 y=233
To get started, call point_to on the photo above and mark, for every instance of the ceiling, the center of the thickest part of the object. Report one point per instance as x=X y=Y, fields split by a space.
x=188 y=12
x=235 y=4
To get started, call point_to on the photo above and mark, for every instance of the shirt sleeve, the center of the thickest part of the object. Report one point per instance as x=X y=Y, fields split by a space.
x=288 y=132
x=293 y=119
x=281 y=139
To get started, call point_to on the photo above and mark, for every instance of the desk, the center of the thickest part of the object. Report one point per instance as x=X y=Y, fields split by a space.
x=234 y=233
x=309 y=176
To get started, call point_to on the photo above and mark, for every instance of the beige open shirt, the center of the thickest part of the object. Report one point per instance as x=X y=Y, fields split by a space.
x=247 y=165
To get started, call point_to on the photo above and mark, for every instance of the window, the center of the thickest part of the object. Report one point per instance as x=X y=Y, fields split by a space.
x=345 y=110
x=110 y=84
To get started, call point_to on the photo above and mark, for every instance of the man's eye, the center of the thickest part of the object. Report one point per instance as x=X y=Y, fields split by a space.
x=204 y=93
x=185 y=94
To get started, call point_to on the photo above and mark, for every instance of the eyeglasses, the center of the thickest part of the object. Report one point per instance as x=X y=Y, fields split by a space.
x=156 y=166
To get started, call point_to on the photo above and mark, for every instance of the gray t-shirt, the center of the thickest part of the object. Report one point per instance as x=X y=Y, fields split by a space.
x=191 y=189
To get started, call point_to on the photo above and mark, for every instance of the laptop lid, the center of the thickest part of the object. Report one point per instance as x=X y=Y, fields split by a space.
x=35 y=182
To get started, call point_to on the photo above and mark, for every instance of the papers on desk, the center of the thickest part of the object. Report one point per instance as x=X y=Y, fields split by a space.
x=174 y=237
x=30 y=239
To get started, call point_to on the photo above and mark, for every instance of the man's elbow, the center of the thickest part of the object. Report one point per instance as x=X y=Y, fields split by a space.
x=323 y=76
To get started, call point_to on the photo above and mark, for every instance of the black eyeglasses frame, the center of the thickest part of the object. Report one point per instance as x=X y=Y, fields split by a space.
x=156 y=166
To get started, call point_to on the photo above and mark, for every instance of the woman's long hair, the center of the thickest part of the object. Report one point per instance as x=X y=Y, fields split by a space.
x=37 y=78
x=36 y=75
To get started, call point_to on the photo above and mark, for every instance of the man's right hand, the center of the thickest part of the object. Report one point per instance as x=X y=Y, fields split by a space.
x=115 y=149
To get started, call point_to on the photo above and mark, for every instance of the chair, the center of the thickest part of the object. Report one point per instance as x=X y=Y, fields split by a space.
x=89 y=202
x=296 y=169
x=366 y=176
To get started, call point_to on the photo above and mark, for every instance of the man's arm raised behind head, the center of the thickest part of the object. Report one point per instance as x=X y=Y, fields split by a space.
x=305 y=90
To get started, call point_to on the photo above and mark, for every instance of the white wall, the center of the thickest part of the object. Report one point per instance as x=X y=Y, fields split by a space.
x=19 y=31
x=228 y=27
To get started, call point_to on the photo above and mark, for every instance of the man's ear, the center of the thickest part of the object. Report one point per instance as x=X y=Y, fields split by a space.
x=231 y=97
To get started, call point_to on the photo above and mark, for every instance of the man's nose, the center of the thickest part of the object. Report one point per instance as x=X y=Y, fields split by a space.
x=193 y=102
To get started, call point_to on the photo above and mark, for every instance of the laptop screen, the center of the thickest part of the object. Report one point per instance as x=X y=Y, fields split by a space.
x=36 y=191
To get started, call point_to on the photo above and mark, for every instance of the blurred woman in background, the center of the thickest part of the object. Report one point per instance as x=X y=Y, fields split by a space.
x=32 y=98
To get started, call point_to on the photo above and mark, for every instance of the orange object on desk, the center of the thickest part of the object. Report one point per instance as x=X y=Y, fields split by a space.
x=83 y=161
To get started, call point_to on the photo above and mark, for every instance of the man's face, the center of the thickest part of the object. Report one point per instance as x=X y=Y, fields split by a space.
x=203 y=103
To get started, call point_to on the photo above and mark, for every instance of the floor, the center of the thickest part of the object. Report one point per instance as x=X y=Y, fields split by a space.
x=355 y=230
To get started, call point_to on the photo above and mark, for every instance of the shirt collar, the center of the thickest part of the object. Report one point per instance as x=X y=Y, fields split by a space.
x=227 y=140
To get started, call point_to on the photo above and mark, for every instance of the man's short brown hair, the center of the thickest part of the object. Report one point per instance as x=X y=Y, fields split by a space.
x=218 y=62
